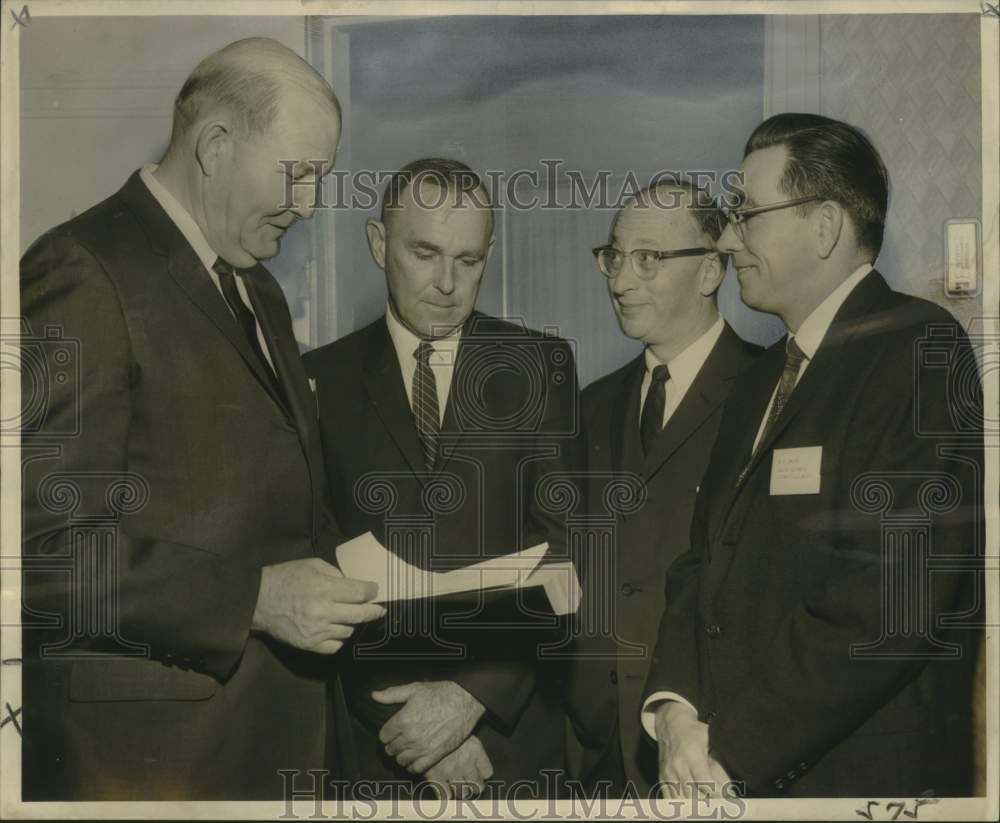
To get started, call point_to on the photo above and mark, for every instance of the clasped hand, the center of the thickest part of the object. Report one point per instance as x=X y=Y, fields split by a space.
x=436 y=719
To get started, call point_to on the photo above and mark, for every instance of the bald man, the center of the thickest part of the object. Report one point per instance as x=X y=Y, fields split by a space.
x=186 y=423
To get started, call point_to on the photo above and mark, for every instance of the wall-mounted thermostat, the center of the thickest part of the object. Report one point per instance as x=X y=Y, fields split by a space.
x=962 y=258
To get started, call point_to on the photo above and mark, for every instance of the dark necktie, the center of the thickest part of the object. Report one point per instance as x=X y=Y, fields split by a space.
x=789 y=375
x=246 y=319
x=425 y=403
x=651 y=421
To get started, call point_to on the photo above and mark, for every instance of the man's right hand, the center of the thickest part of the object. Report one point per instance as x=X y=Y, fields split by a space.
x=683 y=753
x=464 y=772
x=309 y=604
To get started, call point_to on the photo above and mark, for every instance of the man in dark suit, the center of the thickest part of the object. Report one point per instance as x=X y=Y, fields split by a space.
x=439 y=425
x=654 y=419
x=819 y=637
x=177 y=609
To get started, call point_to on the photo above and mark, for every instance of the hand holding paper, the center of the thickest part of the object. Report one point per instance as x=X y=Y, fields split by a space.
x=364 y=558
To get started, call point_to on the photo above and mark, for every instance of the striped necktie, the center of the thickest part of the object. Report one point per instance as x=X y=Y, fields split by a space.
x=425 y=404
x=789 y=376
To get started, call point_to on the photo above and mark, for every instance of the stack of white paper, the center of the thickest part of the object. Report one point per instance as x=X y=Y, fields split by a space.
x=364 y=558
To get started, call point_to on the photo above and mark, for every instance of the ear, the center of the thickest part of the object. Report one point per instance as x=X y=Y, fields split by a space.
x=215 y=140
x=828 y=224
x=711 y=273
x=376 y=240
x=489 y=251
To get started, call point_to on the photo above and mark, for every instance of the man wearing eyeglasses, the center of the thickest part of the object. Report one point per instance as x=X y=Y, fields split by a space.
x=655 y=419
x=807 y=649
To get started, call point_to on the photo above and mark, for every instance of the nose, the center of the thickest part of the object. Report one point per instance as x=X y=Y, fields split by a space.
x=304 y=209
x=729 y=241
x=446 y=275
x=626 y=279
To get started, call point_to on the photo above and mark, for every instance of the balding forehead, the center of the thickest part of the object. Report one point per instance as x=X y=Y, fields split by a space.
x=664 y=214
x=427 y=193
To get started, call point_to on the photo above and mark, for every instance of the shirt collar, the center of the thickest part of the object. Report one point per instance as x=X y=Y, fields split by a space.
x=685 y=366
x=815 y=326
x=406 y=342
x=179 y=215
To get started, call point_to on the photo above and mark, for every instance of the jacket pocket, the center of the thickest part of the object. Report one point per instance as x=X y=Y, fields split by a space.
x=119 y=679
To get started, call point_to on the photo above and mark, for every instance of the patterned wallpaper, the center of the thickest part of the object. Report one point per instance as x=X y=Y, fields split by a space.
x=913 y=83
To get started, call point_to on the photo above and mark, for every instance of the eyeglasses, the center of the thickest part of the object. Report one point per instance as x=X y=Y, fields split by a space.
x=738 y=217
x=645 y=261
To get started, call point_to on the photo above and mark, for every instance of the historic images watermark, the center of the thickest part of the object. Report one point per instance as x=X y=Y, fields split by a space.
x=554 y=796
x=549 y=187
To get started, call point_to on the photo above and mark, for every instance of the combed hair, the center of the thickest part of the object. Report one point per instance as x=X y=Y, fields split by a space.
x=250 y=93
x=703 y=207
x=830 y=160
x=451 y=175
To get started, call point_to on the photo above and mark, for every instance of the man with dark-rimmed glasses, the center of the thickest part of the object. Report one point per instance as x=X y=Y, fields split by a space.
x=655 y=419
x=820 y=636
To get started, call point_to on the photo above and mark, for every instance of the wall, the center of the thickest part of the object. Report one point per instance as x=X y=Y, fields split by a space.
x=96 y=101
x=621 y=94
x=912 y=82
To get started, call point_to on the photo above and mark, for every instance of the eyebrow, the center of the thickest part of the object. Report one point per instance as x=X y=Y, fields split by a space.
x=302 y=168
x=423 y=244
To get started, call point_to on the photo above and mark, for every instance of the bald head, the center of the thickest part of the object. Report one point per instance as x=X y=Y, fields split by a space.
x=246 y=82
x=255 y=130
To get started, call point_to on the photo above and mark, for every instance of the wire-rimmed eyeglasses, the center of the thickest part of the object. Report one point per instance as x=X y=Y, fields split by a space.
x=646 y=262
x=738 y=217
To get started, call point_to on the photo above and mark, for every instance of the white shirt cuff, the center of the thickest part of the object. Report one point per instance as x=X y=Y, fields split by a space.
x=653 y=702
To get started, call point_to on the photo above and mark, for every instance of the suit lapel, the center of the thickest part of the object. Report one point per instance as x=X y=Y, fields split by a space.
x=187 y=270
x=384 y=383
x=848 y=321
x=268 y=303
x=625 y=418
x=451 y=432
x=705 y=394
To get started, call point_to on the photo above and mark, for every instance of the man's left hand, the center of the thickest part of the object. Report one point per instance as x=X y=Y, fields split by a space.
x=436 y=718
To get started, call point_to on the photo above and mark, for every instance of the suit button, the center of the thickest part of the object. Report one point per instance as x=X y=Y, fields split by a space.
x=710 y=717
x=713 y=630
x=614 y=677
x=627 y=589
x=779 y=784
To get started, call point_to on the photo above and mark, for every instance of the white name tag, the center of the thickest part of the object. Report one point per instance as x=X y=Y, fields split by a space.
x=796 y=471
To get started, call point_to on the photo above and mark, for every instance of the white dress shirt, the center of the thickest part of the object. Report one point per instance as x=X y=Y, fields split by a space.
x=442 y=359
x=683 y=369
x=809 y=337
x=193 y=234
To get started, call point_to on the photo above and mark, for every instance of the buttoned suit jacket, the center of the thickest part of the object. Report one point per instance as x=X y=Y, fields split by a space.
x=651 y=529
x=510 y=422
x=156 y=429
x=804 y=627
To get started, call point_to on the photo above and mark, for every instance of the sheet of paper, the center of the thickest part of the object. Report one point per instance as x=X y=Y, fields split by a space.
x=364 y=558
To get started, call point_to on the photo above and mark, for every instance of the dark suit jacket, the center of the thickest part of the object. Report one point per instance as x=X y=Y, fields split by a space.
x=608 y=676
x=510 y=421
x=160 y=430
x=768 y=615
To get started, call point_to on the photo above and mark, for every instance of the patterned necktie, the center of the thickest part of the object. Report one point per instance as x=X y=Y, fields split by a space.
x=425 y=403
x=793 y=361
x=651 y=421
x=246 y=319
